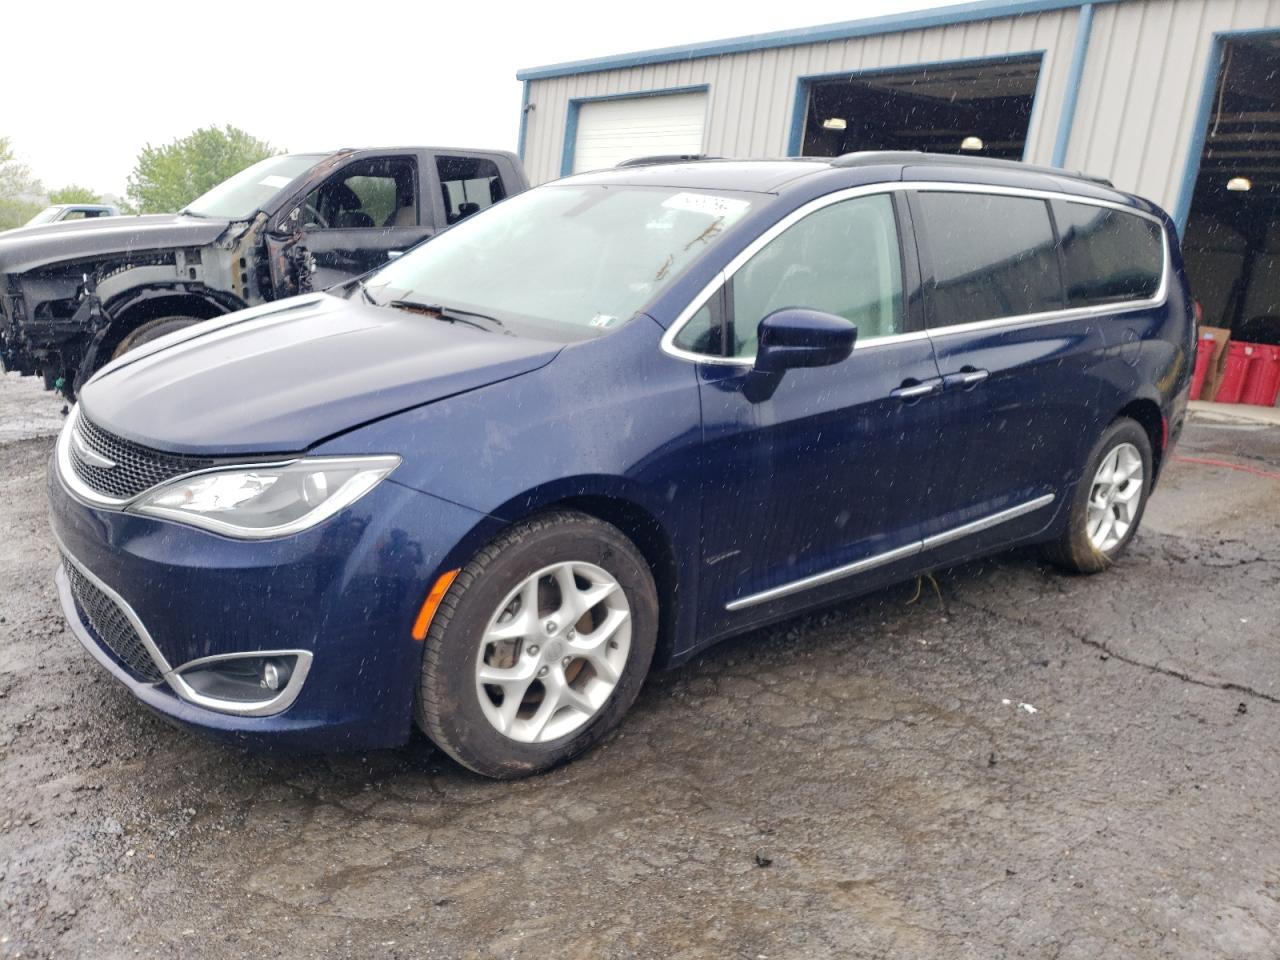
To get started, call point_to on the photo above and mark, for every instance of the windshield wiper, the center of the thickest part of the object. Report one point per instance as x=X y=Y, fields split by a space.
x=451 y=314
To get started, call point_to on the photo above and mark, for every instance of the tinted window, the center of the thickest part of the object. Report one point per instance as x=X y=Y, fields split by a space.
x=843 y=259
x=468 y=184
x=702 y=334
x=1109 y=255
x=991 y=257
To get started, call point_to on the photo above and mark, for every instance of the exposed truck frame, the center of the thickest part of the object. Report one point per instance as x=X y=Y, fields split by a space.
x=73 y=295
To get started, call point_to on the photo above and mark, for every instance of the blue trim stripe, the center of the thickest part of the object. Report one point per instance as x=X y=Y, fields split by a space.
x=524 y=121
x=1084 y=27
x=799 y=112
x=571 y=120
x=914 y=20
x=1204 y=113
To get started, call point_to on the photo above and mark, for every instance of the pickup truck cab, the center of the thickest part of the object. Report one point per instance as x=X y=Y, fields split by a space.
x=75 y=295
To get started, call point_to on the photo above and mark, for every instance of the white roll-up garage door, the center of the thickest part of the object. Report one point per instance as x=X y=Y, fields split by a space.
x=610 y=131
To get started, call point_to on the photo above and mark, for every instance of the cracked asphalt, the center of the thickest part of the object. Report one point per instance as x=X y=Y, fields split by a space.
x=1032 y=765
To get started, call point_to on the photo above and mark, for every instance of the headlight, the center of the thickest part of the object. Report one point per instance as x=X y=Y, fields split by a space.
x=272 y=500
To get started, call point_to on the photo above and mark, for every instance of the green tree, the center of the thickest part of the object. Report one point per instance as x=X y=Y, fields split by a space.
x=74 y=194
x=20 y=193
x=167 y=178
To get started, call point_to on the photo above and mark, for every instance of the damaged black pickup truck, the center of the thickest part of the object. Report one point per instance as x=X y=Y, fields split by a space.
x=75 y=295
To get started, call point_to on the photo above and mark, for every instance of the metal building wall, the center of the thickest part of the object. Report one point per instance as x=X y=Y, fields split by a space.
x=753 y=94
x=1137 y=114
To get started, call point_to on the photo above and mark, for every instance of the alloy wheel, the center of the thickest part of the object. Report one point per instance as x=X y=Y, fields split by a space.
x=1115 y=497
x=553 y=652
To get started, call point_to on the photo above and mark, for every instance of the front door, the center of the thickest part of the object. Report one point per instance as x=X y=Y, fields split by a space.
x=814 y=479
x=356 y=220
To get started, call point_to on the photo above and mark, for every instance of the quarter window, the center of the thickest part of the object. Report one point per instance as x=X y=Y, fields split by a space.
x=991 y=256
x=1110 y=256
x=842 y=259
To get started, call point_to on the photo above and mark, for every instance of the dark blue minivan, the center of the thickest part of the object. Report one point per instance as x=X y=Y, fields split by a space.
x=606 y=423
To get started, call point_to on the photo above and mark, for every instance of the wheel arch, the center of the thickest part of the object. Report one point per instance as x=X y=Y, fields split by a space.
x=132 y=308
x=1146 y=413
x=613 y=503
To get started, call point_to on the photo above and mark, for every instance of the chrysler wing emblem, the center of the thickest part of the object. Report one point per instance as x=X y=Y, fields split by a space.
x=88 y=456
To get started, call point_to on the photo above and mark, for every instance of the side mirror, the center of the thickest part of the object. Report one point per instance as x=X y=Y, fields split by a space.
x=794 y=337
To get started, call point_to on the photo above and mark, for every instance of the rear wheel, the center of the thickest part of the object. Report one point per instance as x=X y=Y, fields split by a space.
x=539 y=647
x=151 y=330
x=1108 y=501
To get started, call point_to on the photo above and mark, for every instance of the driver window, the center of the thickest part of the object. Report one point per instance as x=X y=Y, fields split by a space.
x=842 y=259
x=368 y=194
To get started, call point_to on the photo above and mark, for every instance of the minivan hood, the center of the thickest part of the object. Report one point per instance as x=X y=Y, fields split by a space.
x=281 y=378
x=29 y=247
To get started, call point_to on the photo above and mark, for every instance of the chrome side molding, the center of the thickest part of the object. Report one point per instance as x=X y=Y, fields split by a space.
x=890 y=556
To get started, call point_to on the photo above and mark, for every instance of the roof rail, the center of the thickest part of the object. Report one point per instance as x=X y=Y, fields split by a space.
x=867 y=158
x=667 y=158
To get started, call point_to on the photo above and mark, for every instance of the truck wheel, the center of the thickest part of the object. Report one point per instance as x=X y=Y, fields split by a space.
x=1108 y=501
x=539 y=647
x=151 y=330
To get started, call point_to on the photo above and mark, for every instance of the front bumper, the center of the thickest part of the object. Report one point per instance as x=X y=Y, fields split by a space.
x=345 y=593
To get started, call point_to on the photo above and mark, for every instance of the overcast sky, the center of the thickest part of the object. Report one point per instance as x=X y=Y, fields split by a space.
x=86 y=85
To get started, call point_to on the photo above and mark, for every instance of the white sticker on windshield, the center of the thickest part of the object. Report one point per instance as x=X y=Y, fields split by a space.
x=706 y=203
x=602 y=320
x=275 y=180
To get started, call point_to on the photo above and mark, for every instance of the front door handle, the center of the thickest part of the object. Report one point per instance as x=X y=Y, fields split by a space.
x=914 y=391
x=965 y=378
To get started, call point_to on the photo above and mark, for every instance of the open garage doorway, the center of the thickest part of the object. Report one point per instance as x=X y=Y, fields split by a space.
x=983 y=107
x=1231 y=243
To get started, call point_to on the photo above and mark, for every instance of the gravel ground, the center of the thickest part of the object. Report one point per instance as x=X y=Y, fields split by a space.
x=1035 y=765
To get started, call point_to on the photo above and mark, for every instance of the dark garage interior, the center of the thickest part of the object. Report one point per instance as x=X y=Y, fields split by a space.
x=982 y=107
x=1232 y=242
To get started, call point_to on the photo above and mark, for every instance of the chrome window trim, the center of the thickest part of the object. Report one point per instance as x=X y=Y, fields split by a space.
x=277 y=704
x=889 y=556
x=669 y=347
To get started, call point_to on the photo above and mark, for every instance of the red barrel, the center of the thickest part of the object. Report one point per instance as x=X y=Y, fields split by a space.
x=1264 y=377
x=1204 y=353
x=1239 y=359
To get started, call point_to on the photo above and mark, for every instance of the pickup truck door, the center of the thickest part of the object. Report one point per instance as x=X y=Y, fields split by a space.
x=353 y=221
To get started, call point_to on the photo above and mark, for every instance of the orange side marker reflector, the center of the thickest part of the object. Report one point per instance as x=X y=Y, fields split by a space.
x=441 y=587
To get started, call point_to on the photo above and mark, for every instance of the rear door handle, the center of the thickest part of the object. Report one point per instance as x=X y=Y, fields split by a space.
x=965 y=378
x=917 y=390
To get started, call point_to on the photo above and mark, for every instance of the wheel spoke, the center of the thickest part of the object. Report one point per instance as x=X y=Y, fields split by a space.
x=543 y=645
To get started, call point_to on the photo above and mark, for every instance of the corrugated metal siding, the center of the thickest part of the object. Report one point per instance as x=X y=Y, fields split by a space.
x=1137 y=110
x=753 y=94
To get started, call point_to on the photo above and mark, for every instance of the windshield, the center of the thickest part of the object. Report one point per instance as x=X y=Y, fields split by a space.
x=249 y=190
x=569 y=260
x=47 y=215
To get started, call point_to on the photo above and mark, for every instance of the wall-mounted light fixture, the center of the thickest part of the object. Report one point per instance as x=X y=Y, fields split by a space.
x=835 y=123
x=1239 y=184
x=972 y=143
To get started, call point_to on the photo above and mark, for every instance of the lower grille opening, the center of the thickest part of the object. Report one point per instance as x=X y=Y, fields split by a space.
x=110 y=625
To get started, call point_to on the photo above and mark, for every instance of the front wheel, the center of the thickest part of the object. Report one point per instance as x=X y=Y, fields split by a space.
x=1108 y=501
x=151 y=330
x=539 y=647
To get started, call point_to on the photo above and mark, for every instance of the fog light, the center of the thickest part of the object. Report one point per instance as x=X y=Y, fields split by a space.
x=240 y=680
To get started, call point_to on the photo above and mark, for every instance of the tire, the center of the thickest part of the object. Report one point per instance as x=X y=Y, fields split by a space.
x=465 y=717
x=151 y=330
x=1083 y=548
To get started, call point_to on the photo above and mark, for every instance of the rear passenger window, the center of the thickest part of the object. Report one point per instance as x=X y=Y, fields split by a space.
x=468 y=185
x=1110 y=256
x=991 y=256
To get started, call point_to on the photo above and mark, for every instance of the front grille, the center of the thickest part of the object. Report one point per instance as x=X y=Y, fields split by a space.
x=111 y=625
x=137 y=468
